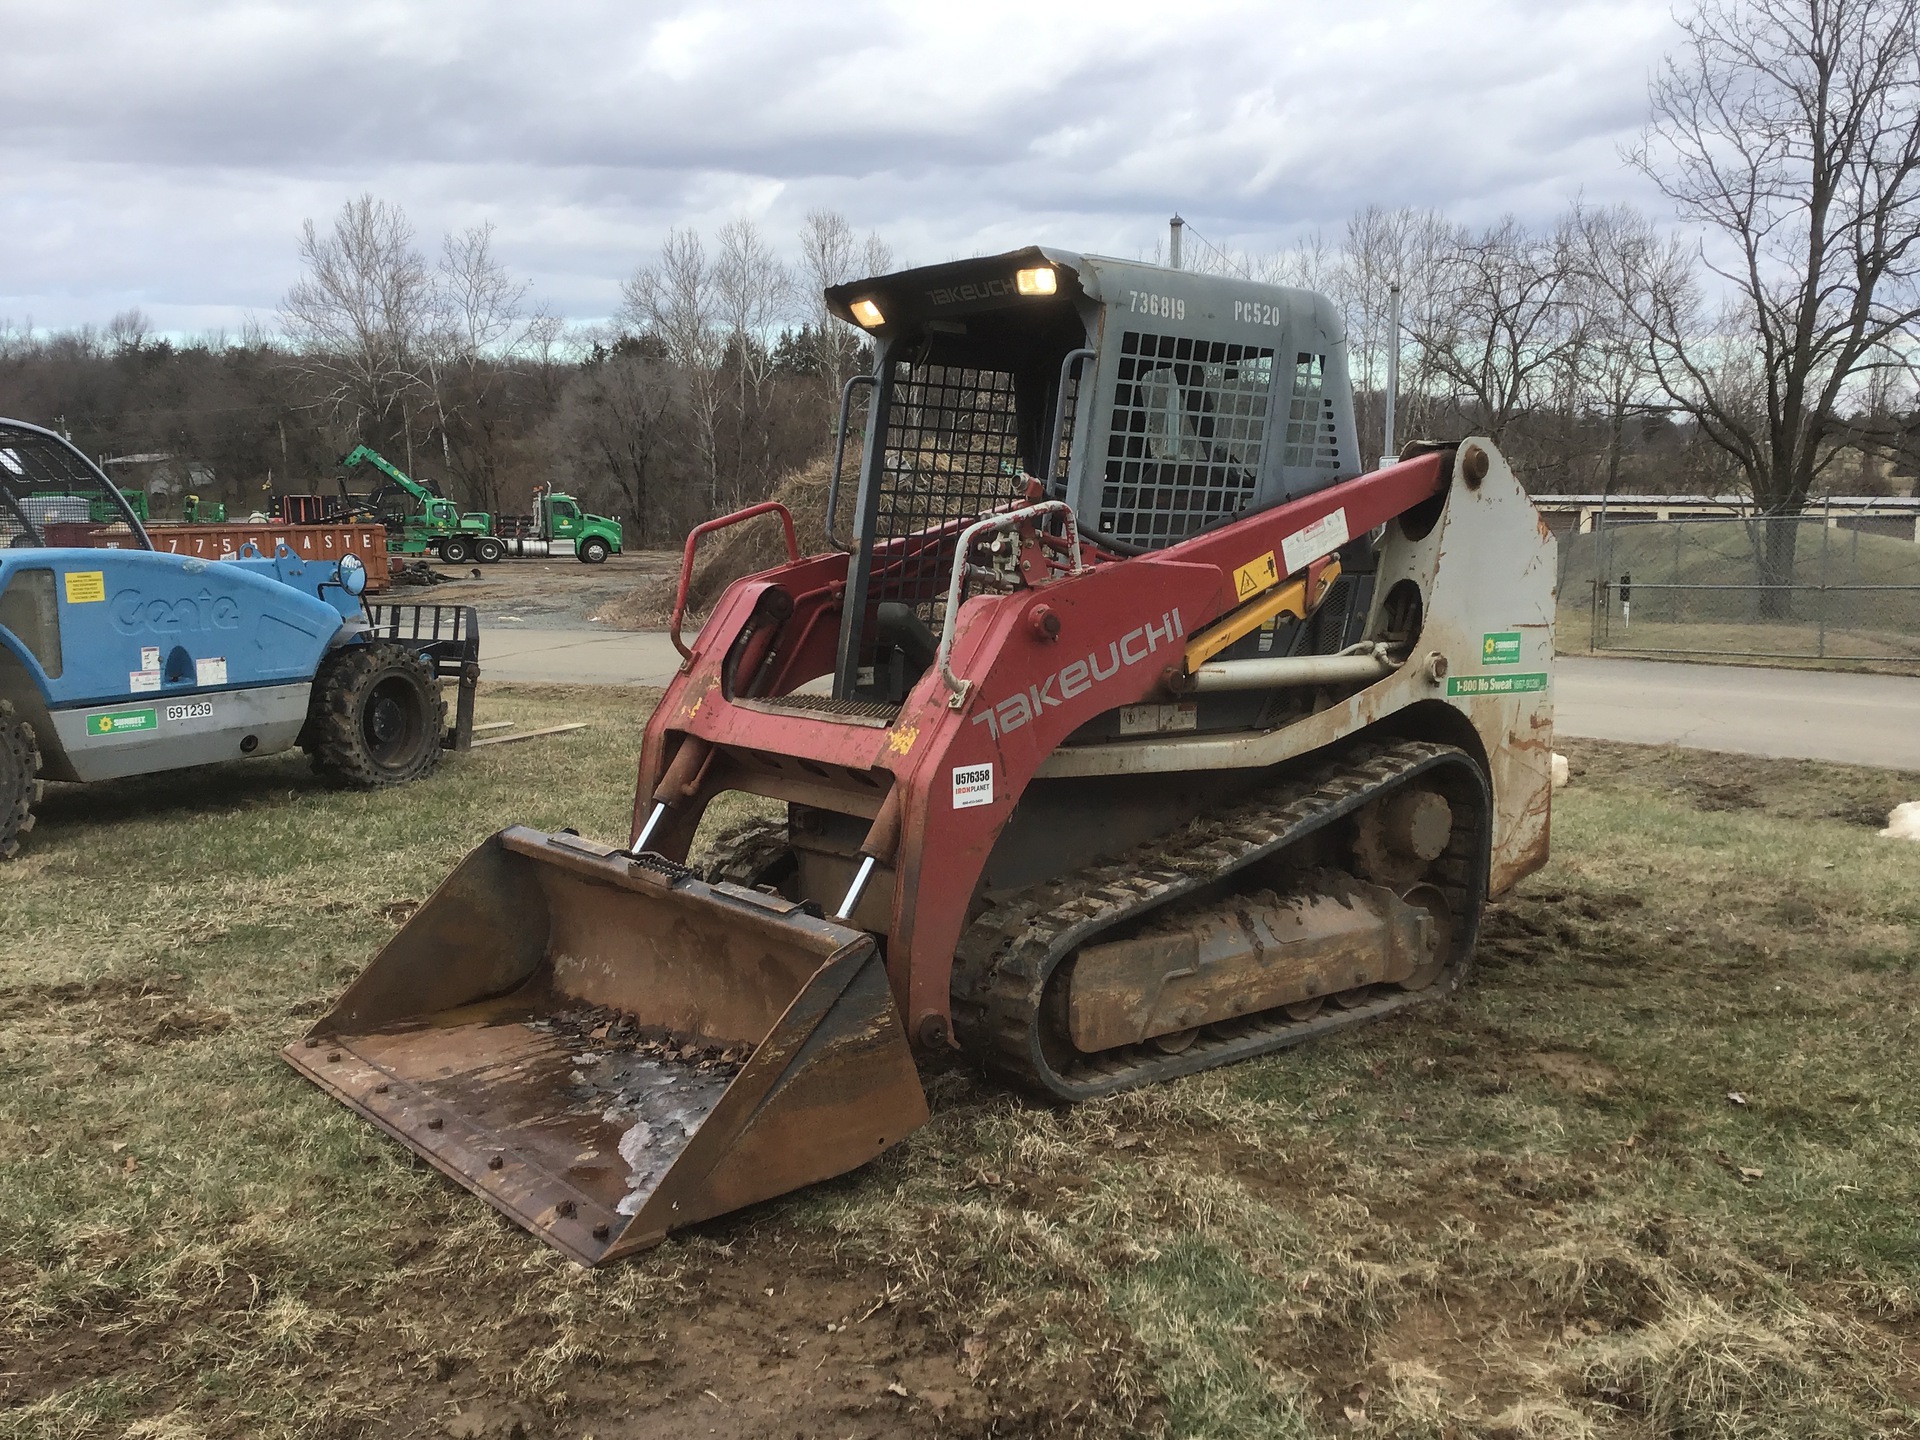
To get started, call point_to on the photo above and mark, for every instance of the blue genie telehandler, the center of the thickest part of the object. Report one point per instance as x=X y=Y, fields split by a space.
x=128 y=660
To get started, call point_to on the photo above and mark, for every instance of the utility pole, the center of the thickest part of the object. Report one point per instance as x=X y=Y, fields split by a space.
x=1389 y=455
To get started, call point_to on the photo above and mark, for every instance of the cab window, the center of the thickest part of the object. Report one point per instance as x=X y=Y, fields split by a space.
x=29 y=610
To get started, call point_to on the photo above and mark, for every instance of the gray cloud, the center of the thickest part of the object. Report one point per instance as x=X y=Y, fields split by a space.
x=165 y=154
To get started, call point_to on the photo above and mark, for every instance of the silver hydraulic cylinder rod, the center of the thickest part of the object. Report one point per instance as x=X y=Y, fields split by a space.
x=654 y=817
x=857 y=889
x=1289 y=670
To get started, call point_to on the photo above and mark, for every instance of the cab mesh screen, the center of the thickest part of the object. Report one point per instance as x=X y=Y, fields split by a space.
x=1312 y=437
x=1189 y=428
x=952 y=454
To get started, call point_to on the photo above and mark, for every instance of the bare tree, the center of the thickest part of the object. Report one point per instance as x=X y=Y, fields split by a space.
x=676 y=304
x=1497 y=322
x=358 y=319
x=129 y=330
x=831 y=255
x=476 y=306
x=1791 y=129
x=1626 y=270
x=1382 y=248
x=753 y=294
x=613 y=429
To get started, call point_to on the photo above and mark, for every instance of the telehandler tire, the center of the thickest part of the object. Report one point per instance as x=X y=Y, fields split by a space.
x=20 y=784
x=376 y=717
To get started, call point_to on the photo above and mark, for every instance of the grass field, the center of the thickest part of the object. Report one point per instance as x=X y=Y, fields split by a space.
x=1652 y=1174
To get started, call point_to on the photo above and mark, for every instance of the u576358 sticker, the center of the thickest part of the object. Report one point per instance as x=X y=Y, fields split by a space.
x=972 y=785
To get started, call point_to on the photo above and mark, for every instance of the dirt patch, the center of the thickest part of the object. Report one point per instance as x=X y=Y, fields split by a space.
x=777 y=1340
x=774 y=1335
x=559 y=593
x=148 y=1010
x=1713 y=793
x=756 y=545
x=1713 y=781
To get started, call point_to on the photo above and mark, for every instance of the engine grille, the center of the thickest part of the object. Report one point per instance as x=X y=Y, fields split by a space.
x=866 y=711
x=1189 y=429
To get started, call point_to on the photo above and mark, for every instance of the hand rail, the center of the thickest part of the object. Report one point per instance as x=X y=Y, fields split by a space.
x=943 y=657
x=839 y=455
x=693 y=540
x=1073 y=358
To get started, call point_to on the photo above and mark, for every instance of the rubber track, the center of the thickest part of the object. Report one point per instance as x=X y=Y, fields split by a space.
x=1003 y=960
x=744 y=853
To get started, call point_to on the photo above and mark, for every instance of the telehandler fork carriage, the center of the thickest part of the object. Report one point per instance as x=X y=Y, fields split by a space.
x=1135 y=729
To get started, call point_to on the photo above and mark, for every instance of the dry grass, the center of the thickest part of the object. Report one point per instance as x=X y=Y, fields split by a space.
x=1531 y=1212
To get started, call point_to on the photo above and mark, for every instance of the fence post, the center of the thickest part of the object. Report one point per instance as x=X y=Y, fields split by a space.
x=1826 y=534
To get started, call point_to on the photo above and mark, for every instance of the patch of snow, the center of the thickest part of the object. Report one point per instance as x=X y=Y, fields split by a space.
x=1904 y=822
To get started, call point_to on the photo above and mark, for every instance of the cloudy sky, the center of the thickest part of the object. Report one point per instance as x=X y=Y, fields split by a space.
x=163 y=153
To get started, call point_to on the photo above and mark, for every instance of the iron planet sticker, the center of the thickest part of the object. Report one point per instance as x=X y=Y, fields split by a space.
x=972 y=785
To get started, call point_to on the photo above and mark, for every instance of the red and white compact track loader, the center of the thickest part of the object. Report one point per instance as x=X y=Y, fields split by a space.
x=1131 y=727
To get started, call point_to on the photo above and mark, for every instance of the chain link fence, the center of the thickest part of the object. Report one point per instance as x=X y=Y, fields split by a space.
x=1808 y=587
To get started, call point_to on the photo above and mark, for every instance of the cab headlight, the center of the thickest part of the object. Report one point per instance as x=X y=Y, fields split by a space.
x=868 y=314
x=1038 y=281
x=353 y=575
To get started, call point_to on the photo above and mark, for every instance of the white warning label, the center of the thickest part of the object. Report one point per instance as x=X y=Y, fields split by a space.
x=972 y=785
x=1322 y=537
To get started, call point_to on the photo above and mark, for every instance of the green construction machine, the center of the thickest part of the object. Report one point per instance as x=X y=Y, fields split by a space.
x=419 y=519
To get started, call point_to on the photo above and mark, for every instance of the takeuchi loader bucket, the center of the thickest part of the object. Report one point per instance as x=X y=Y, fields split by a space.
x=607 y=1048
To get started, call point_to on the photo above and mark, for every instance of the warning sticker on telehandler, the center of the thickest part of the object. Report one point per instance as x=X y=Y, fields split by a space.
x=972 y=785
x=86 y=587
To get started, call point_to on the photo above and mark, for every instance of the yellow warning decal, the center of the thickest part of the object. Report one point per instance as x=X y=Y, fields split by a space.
x=1255 y=576
x=86 y=587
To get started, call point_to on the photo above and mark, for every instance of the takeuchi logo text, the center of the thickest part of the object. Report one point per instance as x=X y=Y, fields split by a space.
x=1138 y=644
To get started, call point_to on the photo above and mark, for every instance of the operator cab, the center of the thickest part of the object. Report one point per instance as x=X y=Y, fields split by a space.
x=46 y=484
x=1155 y=402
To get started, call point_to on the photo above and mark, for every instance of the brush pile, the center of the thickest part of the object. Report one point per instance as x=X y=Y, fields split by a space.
x=753 y=545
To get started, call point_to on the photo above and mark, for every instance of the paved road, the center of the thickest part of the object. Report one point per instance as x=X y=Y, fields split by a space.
x=576 y=657
x=1805 y=714
x=1815 y=715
